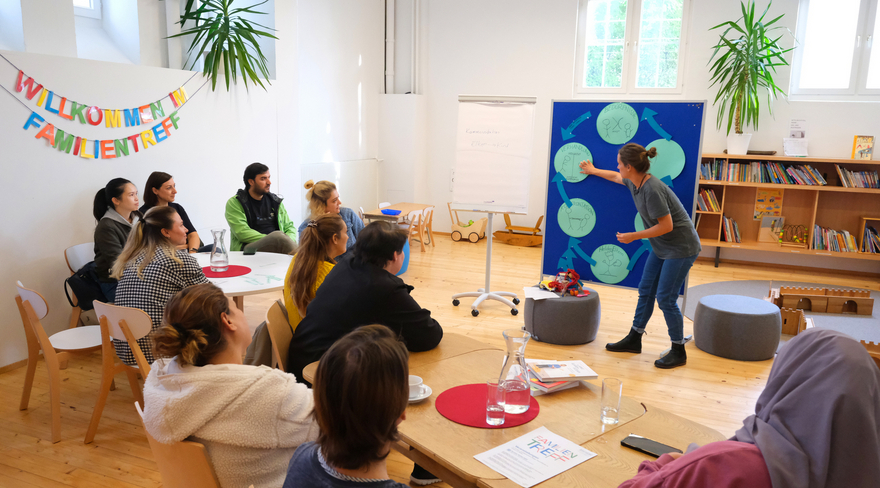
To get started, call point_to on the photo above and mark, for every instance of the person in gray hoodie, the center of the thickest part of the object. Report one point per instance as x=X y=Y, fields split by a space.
x=116 y=210
x=251 y=419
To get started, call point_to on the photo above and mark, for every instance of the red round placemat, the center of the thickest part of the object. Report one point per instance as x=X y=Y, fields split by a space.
x=232 y=272
x=466 y=405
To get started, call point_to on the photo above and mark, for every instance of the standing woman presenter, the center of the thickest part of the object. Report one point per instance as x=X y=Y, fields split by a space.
x=674 y=248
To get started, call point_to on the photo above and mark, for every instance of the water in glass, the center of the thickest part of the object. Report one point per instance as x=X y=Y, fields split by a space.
x=514 y=372
x=495 y=414
x=219 y=256
x=518 y=396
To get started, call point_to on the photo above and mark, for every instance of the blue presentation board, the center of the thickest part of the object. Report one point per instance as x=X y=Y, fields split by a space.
x=585 y=213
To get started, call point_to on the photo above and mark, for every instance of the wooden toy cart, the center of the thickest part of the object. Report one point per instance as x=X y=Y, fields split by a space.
x=472 y=231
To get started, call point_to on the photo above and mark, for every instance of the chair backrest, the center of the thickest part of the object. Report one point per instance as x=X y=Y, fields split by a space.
x=32 y=307
x=79 y=255
x=125 y=324
x=361 y=213
x=428 y=215
x=279 y=334
x=182 y=464
x=414 y=218
x=384 y=204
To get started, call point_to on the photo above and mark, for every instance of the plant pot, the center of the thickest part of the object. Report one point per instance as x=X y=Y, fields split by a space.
x=738 y=143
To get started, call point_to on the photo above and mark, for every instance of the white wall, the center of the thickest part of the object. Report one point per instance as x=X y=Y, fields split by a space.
x=92 y=42
x=48 y=27
x=11 y=33
x=120 y=19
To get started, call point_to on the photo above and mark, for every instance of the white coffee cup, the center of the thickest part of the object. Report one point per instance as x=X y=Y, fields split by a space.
x=415 y=386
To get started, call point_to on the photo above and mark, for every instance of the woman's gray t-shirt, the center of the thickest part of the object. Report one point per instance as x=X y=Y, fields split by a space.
x=654 y=200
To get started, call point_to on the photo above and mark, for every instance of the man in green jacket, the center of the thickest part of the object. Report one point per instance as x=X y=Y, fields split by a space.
x=257 y=219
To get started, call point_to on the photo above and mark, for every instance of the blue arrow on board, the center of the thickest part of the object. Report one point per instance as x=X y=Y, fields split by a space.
x=565 y=260
x=566 y=132
x=668 y=180
x=648 y=114
x=559 y=178
x=574 y=244
x=646 y=246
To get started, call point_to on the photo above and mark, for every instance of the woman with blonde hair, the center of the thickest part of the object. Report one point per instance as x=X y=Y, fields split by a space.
x=321 y=241
x=324 y=198
x=152 y=267
x=251 y=419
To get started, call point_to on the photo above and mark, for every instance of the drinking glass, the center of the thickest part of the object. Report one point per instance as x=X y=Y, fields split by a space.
x=612 y=389
x=495 y=397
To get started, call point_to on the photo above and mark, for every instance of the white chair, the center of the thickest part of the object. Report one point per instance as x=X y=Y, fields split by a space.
x=56 y=349
x=280 y=335
x=182 y=464
x=76 y=257
x=384 y=204
x=361 y=213
x=123 y=323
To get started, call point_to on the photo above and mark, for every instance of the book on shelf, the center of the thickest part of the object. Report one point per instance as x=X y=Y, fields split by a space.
x=552 y=371
x=707 y=201
x=857 y=179
x=863 y=147
x=730 y=230
x=827 y=239
x=871 y=241
x=761 y=172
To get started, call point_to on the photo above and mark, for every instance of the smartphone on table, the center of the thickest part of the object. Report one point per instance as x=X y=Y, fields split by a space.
x=647 y=446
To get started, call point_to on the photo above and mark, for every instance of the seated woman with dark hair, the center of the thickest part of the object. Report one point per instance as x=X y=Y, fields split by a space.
x=151 y=269
x=116 y=209
x=361 y=392
x=250 y=418
x=160 y=191
x=359 y=291
x=816 y=424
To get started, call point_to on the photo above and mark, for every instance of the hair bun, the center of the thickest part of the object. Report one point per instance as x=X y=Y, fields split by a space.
x=652 y=152
x=309 y=184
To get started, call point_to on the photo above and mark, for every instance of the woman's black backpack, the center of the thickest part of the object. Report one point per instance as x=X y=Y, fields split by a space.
x=85 y=287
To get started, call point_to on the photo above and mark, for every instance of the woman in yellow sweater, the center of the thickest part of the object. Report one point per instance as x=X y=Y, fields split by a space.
x=321 y=241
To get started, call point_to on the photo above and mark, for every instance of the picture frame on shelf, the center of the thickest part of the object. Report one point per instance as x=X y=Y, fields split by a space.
x=863 y=147
x=770 y=230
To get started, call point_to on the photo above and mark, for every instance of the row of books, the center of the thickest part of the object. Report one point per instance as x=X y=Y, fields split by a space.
x=707 y=202
x=761 y=172
x=871 y=243
x=857 y=179
x=730 y=229
x=550 y=376
x=826 y=239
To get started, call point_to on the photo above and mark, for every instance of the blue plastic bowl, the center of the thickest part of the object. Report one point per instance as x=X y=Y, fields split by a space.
x=388 y=211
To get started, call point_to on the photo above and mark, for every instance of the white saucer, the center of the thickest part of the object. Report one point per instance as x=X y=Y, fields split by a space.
x=426 y=392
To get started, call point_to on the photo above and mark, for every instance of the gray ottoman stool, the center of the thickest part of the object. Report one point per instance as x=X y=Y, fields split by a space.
x=566 y=320
x=737 y=327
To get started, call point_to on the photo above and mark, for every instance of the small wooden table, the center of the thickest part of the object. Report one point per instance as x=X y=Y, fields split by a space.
x=405 y=210
x=267 y=274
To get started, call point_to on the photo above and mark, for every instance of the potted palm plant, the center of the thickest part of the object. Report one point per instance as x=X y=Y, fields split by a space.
x=746 y=58
x=228 y=41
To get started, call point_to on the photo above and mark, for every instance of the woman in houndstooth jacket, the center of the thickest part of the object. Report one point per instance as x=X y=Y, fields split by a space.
x=152 y=268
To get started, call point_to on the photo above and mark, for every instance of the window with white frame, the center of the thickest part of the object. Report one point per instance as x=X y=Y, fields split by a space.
x=834 y=58
x=87 y=8
x=630 y=46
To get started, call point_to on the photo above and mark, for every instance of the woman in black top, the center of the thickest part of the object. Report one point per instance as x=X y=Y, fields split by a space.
x=160 y=191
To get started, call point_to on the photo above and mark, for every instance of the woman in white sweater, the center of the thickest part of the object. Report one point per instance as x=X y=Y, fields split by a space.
x=251 y=419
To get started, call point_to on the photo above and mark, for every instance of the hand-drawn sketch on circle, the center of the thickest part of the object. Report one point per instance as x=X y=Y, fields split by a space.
x=617 y=123
x=669 y=161
x=568 y=161
x=611 y=264
x=577 y=220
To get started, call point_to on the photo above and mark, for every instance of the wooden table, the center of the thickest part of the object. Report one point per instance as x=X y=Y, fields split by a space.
x=267 y=274
x=405 y=210
x=447 y=449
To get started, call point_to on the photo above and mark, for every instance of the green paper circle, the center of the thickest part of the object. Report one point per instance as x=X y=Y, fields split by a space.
x=578 y=220
x=568 y=159
x=611 y=263
x=669 y=160
x=640 y=225
x=617 y=123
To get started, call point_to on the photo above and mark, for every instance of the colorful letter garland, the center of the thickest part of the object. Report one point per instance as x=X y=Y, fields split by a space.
x=93 y=115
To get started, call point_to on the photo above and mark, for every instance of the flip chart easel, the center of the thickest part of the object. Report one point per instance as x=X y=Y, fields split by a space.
x=492 y=172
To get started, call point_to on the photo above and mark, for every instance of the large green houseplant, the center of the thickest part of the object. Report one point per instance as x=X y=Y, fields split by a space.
x=227 y=39
x=746 y=58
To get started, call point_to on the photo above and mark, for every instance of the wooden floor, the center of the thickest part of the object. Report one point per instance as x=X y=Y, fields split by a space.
x=713 y=391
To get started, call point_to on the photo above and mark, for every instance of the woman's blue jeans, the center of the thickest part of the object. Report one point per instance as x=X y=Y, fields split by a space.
x=662 y=279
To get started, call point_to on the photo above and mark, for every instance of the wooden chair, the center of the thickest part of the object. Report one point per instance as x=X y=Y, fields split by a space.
x=279 y=334
x=76 y=257
x=56 y=349
x=120 y=323
x=182 y=464
x=413 y=227
x=428 y=224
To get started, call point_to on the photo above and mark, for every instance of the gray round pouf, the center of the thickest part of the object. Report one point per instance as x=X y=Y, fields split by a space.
x=566 y=320
x=737 y=327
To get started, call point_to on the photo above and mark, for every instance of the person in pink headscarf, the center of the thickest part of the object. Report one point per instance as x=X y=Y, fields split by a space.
x=816 y=424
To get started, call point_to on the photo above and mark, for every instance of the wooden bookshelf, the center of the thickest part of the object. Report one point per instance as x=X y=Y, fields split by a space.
x=831 y=205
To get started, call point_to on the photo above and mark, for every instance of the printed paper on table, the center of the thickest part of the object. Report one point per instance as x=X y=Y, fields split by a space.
x=534 y=457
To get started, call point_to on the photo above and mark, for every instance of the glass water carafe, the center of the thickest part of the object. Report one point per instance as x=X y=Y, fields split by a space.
x=219 y=256
x=514 y=372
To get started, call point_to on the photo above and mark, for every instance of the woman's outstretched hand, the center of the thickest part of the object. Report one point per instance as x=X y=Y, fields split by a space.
x=587 y=167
